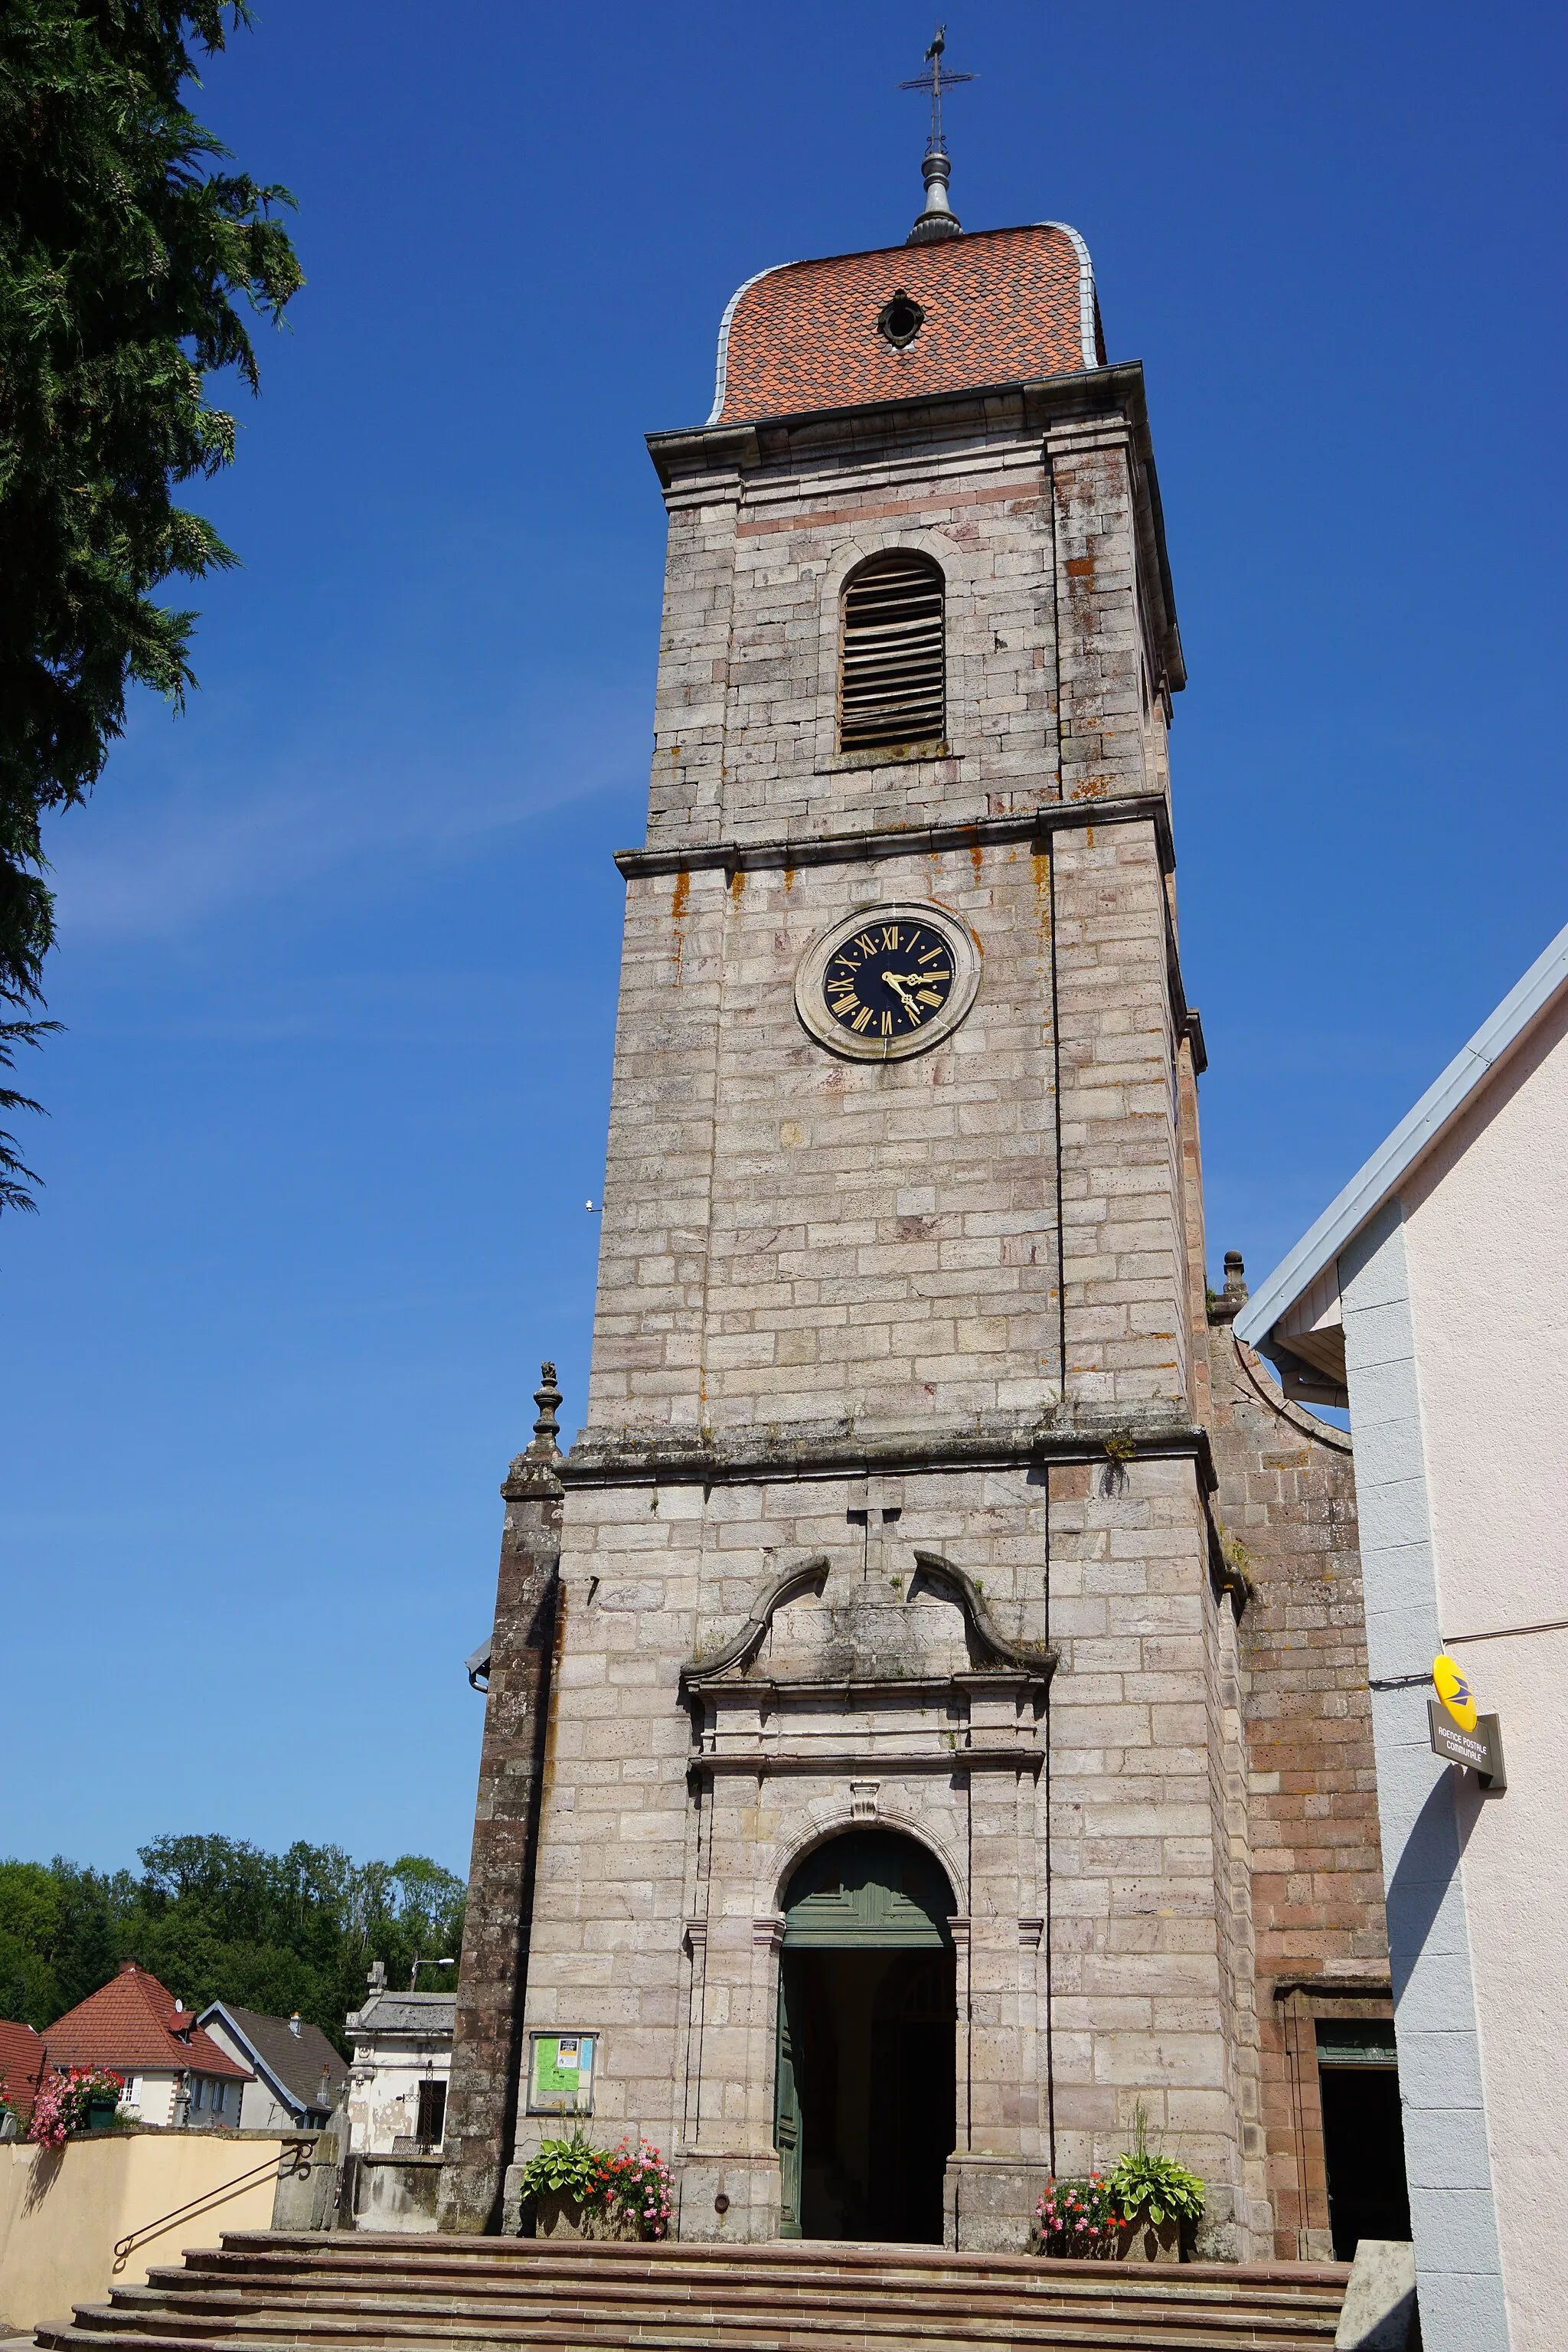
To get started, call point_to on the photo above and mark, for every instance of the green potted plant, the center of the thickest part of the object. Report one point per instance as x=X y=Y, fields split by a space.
x=100 y=2096
x=1158 y=2198
x=578 y=2190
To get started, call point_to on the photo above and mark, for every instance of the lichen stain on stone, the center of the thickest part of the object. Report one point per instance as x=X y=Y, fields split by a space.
x=679 y=899
x=738 y=885
x=789 y=877
x=1093 y=788
x=975 y=856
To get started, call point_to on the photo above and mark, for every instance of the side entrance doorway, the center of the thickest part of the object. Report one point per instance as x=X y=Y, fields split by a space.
x=865 y=2109
x=1363 y=2133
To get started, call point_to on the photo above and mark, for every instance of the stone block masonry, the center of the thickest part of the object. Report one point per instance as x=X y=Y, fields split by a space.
x=896 y=1506
x=1287 y=1500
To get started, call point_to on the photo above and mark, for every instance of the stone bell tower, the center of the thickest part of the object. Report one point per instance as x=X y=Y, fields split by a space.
x=892 y=1775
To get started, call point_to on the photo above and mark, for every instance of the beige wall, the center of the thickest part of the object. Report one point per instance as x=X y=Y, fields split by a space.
x=62 y=2209
x=1487 y=1246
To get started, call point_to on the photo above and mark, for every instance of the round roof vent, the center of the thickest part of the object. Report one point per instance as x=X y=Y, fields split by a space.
x=899 y=321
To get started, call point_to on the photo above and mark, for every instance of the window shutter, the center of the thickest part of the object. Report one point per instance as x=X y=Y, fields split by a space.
x=892 y=664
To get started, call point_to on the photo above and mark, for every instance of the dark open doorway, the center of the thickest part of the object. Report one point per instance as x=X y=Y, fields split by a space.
x=867 y=2033
x=1364 y=2134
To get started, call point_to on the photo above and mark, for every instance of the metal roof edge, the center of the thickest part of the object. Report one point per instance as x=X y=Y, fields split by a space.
x=1085 y=291
x=1380 y=1176
x=722 y=373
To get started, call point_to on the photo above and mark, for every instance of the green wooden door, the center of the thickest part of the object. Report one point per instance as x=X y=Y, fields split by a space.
x=786 y=2119
x=868 y=1891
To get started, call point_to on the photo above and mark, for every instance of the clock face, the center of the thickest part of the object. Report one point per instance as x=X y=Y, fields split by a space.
x=887 y=979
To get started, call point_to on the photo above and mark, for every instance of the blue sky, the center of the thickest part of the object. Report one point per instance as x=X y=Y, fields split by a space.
x=339 y=945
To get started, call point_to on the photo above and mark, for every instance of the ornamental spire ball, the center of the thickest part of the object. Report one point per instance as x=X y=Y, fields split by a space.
x=938 y=220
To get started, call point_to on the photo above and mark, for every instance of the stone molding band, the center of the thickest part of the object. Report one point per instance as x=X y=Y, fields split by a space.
x=1036 y=824
x=795 y=850
x=763 y=1762
x=796 y=1452
x=1335 y=1988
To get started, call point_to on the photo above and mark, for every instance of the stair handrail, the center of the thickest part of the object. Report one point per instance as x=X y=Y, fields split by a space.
x=296 y=2153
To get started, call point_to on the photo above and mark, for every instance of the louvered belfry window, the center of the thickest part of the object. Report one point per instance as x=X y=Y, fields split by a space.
x=892 y=658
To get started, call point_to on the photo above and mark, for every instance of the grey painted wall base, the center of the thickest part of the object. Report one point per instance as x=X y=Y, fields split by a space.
x=1453 y=2214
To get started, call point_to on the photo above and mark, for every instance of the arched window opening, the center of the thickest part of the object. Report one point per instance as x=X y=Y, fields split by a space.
x=892 y=667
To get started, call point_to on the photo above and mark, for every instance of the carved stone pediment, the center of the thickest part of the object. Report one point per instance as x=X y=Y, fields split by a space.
x=815 y=1625
x=836 y=1669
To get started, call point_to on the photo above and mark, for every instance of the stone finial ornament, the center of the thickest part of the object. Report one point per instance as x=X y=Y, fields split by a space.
x=1225 y=1305
x=547 y=1396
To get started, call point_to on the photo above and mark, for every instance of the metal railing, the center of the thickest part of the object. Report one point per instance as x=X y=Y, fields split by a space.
x=292 y=2163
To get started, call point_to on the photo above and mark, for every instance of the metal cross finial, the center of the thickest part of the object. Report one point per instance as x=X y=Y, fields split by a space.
x=935 y=80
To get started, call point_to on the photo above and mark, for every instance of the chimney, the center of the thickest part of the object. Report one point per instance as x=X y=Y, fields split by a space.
x=294 y=2026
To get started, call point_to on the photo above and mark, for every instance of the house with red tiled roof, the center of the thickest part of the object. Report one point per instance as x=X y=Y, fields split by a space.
x=23 y=2058
x=174 y=2074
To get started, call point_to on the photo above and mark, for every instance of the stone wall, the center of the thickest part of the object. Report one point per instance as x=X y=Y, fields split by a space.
x=855 y=1315
x=487 y=2051
x=1287 y=1501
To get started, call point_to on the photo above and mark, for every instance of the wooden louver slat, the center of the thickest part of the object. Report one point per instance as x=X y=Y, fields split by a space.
x=892 y=660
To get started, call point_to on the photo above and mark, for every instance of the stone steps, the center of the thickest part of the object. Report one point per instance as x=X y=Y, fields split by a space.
x=385 y=2293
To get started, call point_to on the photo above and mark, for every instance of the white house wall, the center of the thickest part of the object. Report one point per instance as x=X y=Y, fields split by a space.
x=1486 y=1248
x=152 y=2095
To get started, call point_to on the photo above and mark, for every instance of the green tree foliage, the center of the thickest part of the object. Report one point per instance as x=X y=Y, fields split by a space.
x=214 y=1918
x=125 y=258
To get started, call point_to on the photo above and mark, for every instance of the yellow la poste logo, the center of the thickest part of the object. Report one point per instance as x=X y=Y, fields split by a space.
x=1453 y=1688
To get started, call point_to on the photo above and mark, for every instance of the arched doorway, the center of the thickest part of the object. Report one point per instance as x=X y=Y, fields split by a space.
x=868 y=2026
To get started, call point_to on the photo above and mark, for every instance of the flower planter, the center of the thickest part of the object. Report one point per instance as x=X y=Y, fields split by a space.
x=100 y=2114
x=566 y=2217
x=1143 y=2241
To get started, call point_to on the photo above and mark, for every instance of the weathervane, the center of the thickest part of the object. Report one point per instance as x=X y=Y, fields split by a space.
x=938 y=220
x=936 y=82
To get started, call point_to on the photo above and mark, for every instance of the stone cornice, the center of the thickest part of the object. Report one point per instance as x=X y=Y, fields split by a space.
x=836 y=1449
x=704 y=456
x=1032 y=402
x=1327 y=1988
x=792 y=851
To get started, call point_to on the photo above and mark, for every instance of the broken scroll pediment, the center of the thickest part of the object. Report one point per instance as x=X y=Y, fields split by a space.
x=818 y=1624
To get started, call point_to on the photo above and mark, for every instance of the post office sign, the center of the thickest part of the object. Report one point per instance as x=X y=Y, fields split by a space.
x=1480 y=1750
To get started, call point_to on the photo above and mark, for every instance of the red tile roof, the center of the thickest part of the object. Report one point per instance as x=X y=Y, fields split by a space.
x=23 y=2057
x=1002 y=306
x=130 y=2026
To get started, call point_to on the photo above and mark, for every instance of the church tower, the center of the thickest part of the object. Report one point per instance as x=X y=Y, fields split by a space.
x=863 y=1818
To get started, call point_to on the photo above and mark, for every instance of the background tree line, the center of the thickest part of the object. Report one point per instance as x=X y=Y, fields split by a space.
x=214 y=1918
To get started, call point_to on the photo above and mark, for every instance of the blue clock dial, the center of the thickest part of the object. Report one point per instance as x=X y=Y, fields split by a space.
x=888 y=978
